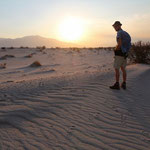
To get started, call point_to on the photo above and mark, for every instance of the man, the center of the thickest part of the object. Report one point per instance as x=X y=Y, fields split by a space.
x=121 y=53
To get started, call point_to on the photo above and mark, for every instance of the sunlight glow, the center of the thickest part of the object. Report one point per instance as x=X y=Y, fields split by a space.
x=71 y=29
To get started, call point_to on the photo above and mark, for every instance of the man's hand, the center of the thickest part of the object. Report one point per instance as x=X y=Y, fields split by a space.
x=118 y=47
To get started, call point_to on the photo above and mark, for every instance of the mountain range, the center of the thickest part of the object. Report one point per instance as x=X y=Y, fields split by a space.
x=34 y=41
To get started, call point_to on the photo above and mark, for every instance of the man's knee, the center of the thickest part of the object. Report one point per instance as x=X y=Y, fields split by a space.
x=123 y=69
x=117 y=71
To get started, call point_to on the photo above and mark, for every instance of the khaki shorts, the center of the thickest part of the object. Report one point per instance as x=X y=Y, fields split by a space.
x=119 y=62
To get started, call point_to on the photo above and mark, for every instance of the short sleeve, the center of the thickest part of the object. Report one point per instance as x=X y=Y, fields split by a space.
x=119 y=34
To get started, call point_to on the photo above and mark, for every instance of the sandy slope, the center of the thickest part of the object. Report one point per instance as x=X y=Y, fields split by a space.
x=76 y=112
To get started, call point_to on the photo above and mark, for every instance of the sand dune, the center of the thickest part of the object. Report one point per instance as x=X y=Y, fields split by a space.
x=74 y=109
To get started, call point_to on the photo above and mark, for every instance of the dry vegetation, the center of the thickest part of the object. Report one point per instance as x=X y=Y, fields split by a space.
x=36 y=64
x=140 y=53
x=3 y=66
x=30 y=55
x=7 y=56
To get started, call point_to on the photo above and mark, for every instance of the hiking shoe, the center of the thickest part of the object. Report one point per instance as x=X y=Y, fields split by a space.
x=123 y=85
x=116 y=86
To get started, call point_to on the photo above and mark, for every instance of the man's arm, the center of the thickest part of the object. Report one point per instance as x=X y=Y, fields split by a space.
x=118 y=47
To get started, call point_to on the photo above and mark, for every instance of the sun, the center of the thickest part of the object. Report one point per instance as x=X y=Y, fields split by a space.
x=71 y=29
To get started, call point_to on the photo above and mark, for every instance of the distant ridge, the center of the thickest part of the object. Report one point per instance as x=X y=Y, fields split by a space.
x=34 y=41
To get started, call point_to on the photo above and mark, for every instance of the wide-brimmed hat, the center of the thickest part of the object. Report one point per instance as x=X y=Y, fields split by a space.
x=117 y=23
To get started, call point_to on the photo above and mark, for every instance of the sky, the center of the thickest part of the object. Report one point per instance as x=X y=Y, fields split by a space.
x=20 y=18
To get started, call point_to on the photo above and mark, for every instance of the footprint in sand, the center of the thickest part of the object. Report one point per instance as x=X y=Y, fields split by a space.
x=145 y=134
x=123 y=120
x=93 y=116
x=69 y=133
x=146 y=137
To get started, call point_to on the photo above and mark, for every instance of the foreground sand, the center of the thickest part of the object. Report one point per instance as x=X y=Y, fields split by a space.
x=76 y=113
x=66 y=104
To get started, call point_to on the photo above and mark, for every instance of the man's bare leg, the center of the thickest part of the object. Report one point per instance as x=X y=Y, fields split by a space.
x=124 y=74
x=117 y=74
x=123 y=85
x=116 y=85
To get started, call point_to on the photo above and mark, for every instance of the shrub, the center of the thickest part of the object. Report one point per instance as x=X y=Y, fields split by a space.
x=43 y=47
x=29 y=56
x=3 y=66
x=38 y=47
x=22 y=47
x=3 y=48
x=36 y=64
x=7 y=56
x=11 y=47
x=140 y=53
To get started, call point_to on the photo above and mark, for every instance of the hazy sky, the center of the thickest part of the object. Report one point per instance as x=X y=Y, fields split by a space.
x=41 y=17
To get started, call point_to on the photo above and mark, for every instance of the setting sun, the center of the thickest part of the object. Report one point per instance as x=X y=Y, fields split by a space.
x=71 y=29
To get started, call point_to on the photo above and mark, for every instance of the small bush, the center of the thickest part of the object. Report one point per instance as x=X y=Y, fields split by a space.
x=43 y=47
x=11 y=48
x=3 y=48
x=28 y=56
x=36 y=64
x=140 y=53
x=7 y=56
x=38 y=47
x=3 y=66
